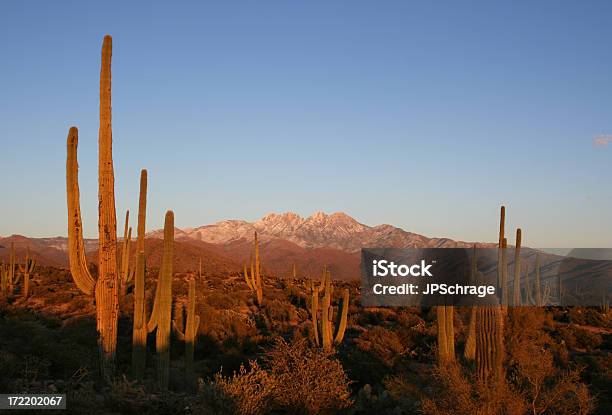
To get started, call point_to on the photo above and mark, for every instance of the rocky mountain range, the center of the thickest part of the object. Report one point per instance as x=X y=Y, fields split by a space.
x=334 y=240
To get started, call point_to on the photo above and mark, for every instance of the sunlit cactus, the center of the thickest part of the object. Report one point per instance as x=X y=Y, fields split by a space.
x=254 y=280
x=323 y=327
x=105 y=288
x=139 y=331
x=489 y=342
x=27 y=268
x=161 y=316
x=189 y=333
x=446 y=334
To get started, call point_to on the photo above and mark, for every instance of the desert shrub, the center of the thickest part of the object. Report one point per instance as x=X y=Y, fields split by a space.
x=454 y=392
x=382 y=344
x=310 y=380
x=579 y=339
x=222 y=301
x=246 y=392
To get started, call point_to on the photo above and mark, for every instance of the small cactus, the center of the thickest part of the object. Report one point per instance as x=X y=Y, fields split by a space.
x=162 y=308
x=254 y=280
x=8 y=274
x=327 y=338
x=26 y=269
x=8 y=280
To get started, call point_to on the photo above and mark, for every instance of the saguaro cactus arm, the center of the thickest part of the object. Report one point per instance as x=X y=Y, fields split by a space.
x=76 y=247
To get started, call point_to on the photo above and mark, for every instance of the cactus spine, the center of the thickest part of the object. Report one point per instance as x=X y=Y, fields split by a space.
x=105 y=289
x=517 y=269
x=26 y=269
x=126 y=274
x=327 y=339
x=189 y=334
x=162 y=307
x=139 y=331
x=254 y=280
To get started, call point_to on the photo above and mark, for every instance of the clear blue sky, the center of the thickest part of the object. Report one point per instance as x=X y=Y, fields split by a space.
x=425 y=115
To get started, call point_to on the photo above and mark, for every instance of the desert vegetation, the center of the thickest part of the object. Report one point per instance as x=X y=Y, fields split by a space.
x=255 y=343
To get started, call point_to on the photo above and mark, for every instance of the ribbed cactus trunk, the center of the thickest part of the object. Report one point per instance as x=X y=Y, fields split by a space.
x=161 y=316
x=489 y=343
x=517 y=301
x=446 y=334
x=106 y=288
x=106 y=291
x=139 y=332
x=538 y=282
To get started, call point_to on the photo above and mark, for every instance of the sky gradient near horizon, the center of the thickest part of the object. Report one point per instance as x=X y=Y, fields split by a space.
x=424 y=116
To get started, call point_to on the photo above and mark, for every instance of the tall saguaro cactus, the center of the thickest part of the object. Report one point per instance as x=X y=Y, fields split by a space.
x=254 y=280
x=517 y=270
x=106 y=287
x=327 y=337
x=26 y=269
x=189 y=334
x=161 y=316
x=139 y=331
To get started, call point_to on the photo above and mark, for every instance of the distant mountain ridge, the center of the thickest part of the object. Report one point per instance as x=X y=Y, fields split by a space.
x=320 y=230
x=333 y=240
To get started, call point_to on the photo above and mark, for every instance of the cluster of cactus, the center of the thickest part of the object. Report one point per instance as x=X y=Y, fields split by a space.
x=188 y=332
x=27 y=268
x=9 y=278
x=254 y=280
x=323 y=317
x=105 y=288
